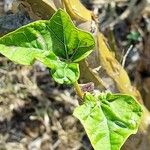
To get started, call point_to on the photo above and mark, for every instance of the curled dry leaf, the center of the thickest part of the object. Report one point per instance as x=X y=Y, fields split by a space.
x=41 y=9
x=77 y=11
x=115 y=70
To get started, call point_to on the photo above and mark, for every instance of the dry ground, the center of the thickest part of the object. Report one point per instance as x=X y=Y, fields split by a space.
x=35 y=112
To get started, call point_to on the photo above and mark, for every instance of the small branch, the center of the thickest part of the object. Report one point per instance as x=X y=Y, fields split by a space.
x=125 y=56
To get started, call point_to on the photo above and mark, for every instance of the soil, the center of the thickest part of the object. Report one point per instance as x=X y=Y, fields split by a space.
x=36 y=112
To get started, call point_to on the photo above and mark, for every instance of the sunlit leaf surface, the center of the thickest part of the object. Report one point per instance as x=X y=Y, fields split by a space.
x=109 y=119
x=56 y=42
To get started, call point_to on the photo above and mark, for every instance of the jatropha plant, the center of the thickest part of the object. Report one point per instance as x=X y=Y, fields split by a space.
x=109 y=119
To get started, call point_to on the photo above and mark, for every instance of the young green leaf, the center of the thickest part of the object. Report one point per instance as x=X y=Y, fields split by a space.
x=109 y=119
x=69 y=42
x=41 y=37
x=133 y=36
x=25 y=43
x=50 y=41
x=64 y=73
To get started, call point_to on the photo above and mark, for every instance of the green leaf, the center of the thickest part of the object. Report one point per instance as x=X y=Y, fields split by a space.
x=57 y=43
x=64 y=73
x=42 y=37
x=109 y=119
x=23 y=45
x=69 y=42
x=133 y=36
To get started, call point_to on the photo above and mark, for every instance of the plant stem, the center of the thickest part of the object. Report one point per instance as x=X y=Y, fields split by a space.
x=78 y=90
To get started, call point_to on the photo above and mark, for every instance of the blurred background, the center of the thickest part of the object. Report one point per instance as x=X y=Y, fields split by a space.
x=36 y=112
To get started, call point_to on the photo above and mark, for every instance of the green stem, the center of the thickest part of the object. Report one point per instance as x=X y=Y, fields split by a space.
x=78 y=90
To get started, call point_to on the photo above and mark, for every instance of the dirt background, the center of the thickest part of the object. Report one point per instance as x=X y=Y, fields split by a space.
x=36 y=112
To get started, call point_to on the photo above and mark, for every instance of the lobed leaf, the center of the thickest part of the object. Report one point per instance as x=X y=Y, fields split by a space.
x=59 y=35
x=69 y=42
x=109 y=119
x=50 y=41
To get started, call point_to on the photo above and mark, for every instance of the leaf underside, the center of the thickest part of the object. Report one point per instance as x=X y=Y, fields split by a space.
x=109 y=119
x=38 y=40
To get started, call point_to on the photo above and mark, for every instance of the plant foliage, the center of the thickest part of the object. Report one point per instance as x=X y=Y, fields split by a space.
x=107 y=118
x=55 y=42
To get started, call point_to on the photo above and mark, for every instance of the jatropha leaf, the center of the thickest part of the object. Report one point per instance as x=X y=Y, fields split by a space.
x=62 y=72
x=65 y=73
x=57 y=37
x=24 y=44
x=58 y=34
x=69 y=42
x=109 y=119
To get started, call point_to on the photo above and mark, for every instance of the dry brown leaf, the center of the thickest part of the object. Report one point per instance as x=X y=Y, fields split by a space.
x=120 y=76
x=115 y=70
x=41 y=9
x=91 y=76
x=77 y=11
x=58 y=3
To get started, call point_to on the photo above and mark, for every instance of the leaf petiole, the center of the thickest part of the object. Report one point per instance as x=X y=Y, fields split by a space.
x=78 y=90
